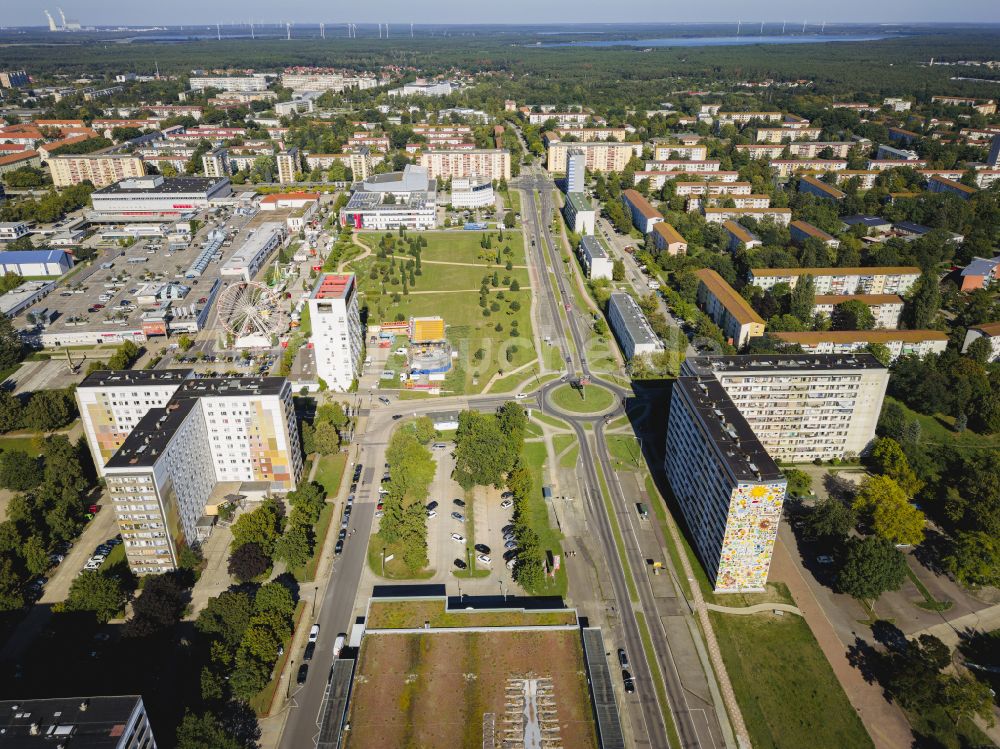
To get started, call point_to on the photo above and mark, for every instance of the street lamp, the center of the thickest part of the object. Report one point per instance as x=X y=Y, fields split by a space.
x=288 y=689
x=315 y=596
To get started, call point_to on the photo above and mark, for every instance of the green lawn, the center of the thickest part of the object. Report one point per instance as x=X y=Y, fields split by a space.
x=786 y=689
x=550 y=420
x=483 y=350
x=625 y=452
x=563 y=441
x=550 y=539
x=938 y=429
x=590 y=400
x=508 y=383
x=463 y=247
x=330 y=472
x=29 y=445
x=412 y=614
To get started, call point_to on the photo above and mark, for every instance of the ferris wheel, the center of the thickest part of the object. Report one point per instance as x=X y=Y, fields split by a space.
x=251 y=310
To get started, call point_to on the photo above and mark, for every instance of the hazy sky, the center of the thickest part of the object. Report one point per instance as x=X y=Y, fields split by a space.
x=511 y=11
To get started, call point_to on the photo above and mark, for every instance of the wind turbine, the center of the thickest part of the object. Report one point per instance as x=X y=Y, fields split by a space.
x=251 y=30
x=411 y=31
x=803 y=27
x=738 y=25
x=387 y=31
x=288 y=31
x=218 y=33
x=762 y=28
x=322 y=30
x=783 y=27
x=823 y=28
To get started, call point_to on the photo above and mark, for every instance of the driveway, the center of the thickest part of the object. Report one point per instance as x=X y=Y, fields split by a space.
x=100 y=529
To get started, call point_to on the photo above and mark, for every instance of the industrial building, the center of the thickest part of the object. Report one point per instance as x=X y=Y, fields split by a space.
x=174 y=438
x=337 y=336
x=631 y=327
x=251 y=256
x=35 y=262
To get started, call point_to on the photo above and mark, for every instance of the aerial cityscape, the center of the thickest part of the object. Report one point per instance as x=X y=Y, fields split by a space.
x=476 y=379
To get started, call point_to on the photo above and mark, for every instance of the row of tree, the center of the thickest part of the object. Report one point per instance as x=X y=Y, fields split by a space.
x=403 y=527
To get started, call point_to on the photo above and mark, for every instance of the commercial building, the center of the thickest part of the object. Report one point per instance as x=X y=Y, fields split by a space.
x=631 y=327
x=391 y=200
x=644 y=216
x=337 y=335
x=991 y=332
x=819 y=188
x=980 y=273
x=35 y=262
x=580 y=214
x=576 y=171
x=99 y=169
x=241 y=83
x=802 y=230
x=598 y=156
x=180 y=446
x=886 y=308
x=247 y=261
x=878 y=280
x=898 y=342
x=595 y=258
x=105 y=722
x=17 y=300
x=729 y=489
x=667 y=239
x=11 y=230
x=472 y=192
x=288 y=165
x=156 y=198
x=424 y=88
x=492 y=163
x=802 y=407
x=730 y=311
x=895 y=154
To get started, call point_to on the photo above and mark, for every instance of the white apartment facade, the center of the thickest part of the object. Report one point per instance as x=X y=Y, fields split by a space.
x=101 y=170
x=580 y=214
x=337 y=335
x=874 y=280
x=886 y=308
x=599 y=156
x=492 y=163
x=595 y=258
x=898 y=342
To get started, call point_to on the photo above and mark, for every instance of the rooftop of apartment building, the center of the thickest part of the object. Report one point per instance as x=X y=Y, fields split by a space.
x=735 y=441
x=80 y=722
x=333 y=286
x=579 y=201
x=706 y=365
x=593 y=247
x=635 y=322
x=105 y=378
x=641 y=204
x=735 y=304
x=888 y=270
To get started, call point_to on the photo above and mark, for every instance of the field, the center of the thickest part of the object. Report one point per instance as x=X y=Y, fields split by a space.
x=453 y=267
x=785 y=686
x=431 y=690
x=411 y=614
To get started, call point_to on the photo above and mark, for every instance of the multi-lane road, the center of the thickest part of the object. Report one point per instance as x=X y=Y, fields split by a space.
x=561 y=320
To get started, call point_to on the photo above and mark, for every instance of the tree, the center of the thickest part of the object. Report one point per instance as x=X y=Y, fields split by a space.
x=274 y=596
x=248 y=561
x=881 y=352
x=11 y=584
x=10 y=412
x=871 y=567
x=508 y=219
x=19 y=471
x=975 y=559
x=802 y=298
x=886 y=507
x=924 y=302
x=980 y=350
x=618 y=270
x=261 y=527
x=799 y=482
x=326 y=438
x=423 y=429
x=308 y=438
x=852 y=315
x=159 y=606
x=294 y=546
x=483 y=454
x=185 y=342
x=888 y=458
x=11 y=345
x=48 y=410
x=36 y=556
x=226 y=616
x=831 y=518
x=964 y=696
x=103 y=595
x=204 y=732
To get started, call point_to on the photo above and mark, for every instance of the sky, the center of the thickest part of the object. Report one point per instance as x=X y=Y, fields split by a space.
x=175 y=12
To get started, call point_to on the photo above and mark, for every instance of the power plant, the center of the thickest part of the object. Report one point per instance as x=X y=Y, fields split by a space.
x=65 y=25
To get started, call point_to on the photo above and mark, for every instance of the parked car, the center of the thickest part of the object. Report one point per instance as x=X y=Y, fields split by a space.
x=309 y=651
x=506 y=503
x=431 y=514
x=303 y=674
x=627 y=681
x=314 y=633
x=459 y=503
x=458 y=538
x=622 y=658
x=482 y=548
x=432 y=505
x=460 y=564
x=338 y=548
x=482 y=558
x=458 y=516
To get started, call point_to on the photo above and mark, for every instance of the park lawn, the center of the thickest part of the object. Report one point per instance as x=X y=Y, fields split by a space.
x=330 y=472
x=785 y=687
x=550 y=420
x=534 y=455
x=461 y=246
x=939 y=429
x=589 y=400
x=468 y=330
x=561 y=442
x=625 y=452
x=510 y=382
x=30 y=445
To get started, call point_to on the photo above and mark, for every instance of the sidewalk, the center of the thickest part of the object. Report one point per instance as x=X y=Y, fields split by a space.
x=884 y=722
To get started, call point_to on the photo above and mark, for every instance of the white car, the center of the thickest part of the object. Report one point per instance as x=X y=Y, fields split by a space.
x=506 y=503
x=314 y=633
x=458 y=538
x=521 y=396
x=483 y=559
x=431 y=514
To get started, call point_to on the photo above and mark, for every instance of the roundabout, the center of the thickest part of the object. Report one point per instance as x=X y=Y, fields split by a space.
x=591 y=399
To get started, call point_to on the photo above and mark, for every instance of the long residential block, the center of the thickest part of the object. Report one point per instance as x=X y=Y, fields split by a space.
x=898 y=342
x=875 y=280
x=730 y=311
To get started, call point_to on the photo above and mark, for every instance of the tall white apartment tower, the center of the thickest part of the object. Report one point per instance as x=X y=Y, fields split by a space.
x=288 y=165
x=576 y=170
x=215 y=163
x=994 y=158
x=337 y=336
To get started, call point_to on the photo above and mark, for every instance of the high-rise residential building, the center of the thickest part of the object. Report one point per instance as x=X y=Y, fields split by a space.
x=288 y=165
x=993 y=159
x=576 y=170
x=802 y=407
x=599 y=156
x=184 y=451
x=107 y=722
x=492 y=163
x=99 y=169
x=215 y=163
x=728 y=488
x=241 y=83
x=337 y=336
x=13 y=79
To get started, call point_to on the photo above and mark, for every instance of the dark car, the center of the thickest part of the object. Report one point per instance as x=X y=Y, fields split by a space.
x=397 y=417
x=339 y=547
x=354 y=487
x=623 y=657
x=310 y=649
x=509 y=554
x=509 y=528
x=460 y=564
x=303 y=674
x=457 y=516
x=432 y=505
x=342 y=535
x=482 y=548
x=627 y=681
x=460 y=503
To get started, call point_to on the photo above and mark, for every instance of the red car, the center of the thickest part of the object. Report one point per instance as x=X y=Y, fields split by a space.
x=98 y=306
x=94 y=509
x=379 y=506
x=203 y=300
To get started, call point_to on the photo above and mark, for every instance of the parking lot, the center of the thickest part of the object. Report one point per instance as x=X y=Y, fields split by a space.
x=488 y=519
x=98 y=530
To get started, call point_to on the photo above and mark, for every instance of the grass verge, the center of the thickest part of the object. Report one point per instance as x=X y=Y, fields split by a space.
x=661 y=689
x=633 y=592
x=330 y=472
x=930 y=603
x=534 y=456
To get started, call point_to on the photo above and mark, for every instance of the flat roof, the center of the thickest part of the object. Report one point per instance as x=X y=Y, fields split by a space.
x=736 y=305
x=705 y=365
x=728 y=431
x=886 y=270
x=635 y=322
x=107 y=378
x=579 y=201
x=867 y=336
x=593 y=247
x=333 y=286
x=166 y=185
x=865 y=220
x=77 y=722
